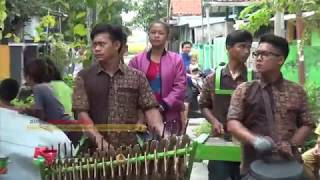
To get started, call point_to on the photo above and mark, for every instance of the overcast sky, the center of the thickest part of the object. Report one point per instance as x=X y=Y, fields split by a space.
x=138 y=35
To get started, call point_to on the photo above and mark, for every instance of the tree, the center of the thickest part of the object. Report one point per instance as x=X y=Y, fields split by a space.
x=76 y=27
x=18 y=12
x=260 y=13
x=3 y=15
x=65 y=24
x=148 y=11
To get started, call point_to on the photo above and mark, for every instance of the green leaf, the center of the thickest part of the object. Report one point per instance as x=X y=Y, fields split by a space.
x=110 y=2
x=48 y=21
x=16 y=39
x=80 y=30
x=91 y=3
x=39 y=29
x=3 y=16
x=63 y=3
x=36 y=38
x=81 y=15
x=9 y=35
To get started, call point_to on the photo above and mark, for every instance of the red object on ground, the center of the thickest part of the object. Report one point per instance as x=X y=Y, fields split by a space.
x=3 y=170
x=48 y=154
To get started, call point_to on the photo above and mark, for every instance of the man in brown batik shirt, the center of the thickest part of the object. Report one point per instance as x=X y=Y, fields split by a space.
x=110 y=92
x=271 y=112
x=216 y=94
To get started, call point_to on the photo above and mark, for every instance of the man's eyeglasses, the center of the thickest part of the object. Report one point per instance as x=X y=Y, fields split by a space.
x=264 y=54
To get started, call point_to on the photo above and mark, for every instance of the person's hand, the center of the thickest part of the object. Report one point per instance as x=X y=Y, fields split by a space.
x=217 y=128
x=161 y=108
x=285 y=149
x=166 y=134
x=263 y=144
x=103 y=145
x=316 y=151
x=318 y=147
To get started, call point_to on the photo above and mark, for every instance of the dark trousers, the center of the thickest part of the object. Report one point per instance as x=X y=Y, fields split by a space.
x=224 y=170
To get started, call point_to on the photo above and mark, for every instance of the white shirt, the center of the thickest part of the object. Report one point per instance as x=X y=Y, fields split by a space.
x=18 y=142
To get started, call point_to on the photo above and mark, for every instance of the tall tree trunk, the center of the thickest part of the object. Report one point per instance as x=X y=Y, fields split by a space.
x=19 y=28
x=157 y=9
x=300 y=60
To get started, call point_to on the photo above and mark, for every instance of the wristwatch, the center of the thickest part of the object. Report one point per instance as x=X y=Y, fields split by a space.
x=161 y=108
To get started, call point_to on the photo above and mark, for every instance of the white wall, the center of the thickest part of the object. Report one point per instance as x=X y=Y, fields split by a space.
x=216 y=30
x=30 y=27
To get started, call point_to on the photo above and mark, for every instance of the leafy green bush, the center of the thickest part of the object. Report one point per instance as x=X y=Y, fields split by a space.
x=69 y=80
x=313 y=91
x=23 y=103
x=135 y=48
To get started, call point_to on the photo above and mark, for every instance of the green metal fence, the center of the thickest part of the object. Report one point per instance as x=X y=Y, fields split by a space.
x=210 y=55
x=312 y=64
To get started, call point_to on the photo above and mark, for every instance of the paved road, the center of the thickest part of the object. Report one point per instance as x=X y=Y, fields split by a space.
x=199 y=170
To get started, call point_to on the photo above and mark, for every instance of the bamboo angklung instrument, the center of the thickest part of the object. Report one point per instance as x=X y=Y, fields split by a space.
x=167 y=159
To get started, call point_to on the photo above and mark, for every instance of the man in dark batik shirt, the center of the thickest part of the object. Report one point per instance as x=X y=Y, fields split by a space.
x=110 y=93
x=286 y=124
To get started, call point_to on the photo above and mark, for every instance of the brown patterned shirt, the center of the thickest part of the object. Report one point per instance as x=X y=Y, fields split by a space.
x=113 y=100
x=289 y=108
x=219 y=104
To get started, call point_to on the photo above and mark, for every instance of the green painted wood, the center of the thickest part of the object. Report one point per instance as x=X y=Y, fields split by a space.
x=218 y=152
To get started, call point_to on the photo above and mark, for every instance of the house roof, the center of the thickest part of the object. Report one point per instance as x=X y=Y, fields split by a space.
x=193 y=7
x=186 y=7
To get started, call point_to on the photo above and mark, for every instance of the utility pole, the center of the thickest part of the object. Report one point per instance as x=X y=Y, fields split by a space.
x=300 y=60
x=208 y=24
x=279 y=20
x=60 y=20
x=279 y=24
x=202 y=23
x=168 y=10
x=157 y=9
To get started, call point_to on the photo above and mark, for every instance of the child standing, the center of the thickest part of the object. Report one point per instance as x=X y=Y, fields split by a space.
x=195 y=71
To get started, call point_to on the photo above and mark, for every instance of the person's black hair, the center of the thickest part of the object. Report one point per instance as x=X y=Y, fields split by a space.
x=38 y=70
x=165 y=26
x=53 y=70
x=9 y=89
x=116 y=33
x=185 y=43
x=237 y=37
x=278 y=42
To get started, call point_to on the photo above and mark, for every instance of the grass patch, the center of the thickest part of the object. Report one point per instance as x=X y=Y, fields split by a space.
x=134 y=48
